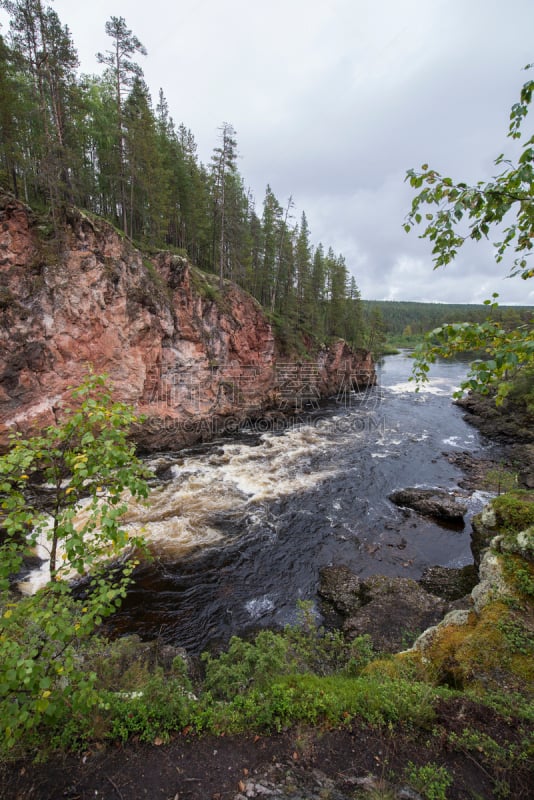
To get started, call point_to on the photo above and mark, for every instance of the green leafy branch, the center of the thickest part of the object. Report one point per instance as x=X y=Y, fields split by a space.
x=506 y=352
x=455 y=212
x=89 y=466
x=89 y=469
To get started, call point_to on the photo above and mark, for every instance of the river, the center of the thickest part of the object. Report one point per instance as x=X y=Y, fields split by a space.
x=241 y=528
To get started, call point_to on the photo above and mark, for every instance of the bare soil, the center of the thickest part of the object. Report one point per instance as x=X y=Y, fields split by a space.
x=300 y=764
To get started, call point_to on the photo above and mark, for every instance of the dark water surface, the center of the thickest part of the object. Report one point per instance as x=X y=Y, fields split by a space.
x=242 y=530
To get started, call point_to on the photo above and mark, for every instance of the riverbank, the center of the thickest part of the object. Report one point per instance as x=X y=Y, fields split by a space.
x=449 y=719
x=342 y=723
x=511 y=426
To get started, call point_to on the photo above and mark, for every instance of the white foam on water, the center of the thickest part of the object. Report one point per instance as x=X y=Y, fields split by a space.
x=479 y=499
x=435 y=386
x=38 y=578
x=402 y=388
x=178 y=515
x=259 y=606
x=452 y=441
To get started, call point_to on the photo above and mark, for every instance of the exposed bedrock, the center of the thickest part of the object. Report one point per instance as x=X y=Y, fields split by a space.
x=194 y=358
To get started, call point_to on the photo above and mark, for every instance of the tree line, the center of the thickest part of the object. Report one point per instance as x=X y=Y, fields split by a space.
x=408 y=318
x=99 y=143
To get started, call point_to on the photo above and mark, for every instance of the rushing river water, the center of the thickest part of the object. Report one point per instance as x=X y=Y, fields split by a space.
x=241 y=528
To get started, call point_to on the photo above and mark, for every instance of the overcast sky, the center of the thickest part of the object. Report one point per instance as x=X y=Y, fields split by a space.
x=332 y=101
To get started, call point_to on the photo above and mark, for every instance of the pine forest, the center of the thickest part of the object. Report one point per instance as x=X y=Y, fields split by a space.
x=99 y=143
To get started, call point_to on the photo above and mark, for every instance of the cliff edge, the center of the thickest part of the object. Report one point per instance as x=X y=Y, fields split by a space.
x=195 y=359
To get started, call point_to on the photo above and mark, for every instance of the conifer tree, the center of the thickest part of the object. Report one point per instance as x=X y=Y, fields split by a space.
x=10 y=114
x=49 y=60
x=121 y=72
x=225 y=190
x=303 y=270
x=146 y=178
x=269 y=277
x=318 y=289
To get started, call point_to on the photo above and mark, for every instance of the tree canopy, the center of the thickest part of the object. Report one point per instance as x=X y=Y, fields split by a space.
x=97 y=142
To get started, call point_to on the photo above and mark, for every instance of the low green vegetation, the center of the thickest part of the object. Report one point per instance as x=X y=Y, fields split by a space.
x=85 y=465
x=522 y=391
x=514 y=511
x=91 y=689
x=500 y=480
x=303 y=674
x=430 y=780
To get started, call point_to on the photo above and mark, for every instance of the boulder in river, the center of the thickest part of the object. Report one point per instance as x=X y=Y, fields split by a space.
x=430 y=502
x=451 y=583
x=392 y=611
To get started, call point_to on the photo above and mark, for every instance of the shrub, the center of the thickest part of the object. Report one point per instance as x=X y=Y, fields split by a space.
x=85 y=459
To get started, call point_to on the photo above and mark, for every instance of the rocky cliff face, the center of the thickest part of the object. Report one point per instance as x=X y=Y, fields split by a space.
x=191 y=357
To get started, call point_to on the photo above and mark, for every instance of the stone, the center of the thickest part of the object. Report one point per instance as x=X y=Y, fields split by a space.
x=392 y=611
x=522 y=543
x=430 y=502
x=450 y=583
x=342 y=588
x=484 y=529
x=492 y=583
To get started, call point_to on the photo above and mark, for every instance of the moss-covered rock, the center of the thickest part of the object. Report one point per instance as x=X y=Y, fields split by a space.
x=505 y=517
x=492 y=645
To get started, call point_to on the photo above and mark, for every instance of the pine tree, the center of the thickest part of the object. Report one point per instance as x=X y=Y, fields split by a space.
x=226 y=187
x=318 y=290
x=354 y=326
x=121 y=72
x=303 y=270
x=10 y=115
x=49 y=60
x=268 y=276
x=146 y=176
x=97 y=130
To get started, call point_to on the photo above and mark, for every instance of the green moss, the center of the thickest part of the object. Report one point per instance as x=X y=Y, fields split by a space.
x=207 y=286
x=514 y=511
x=492 y=649
x=519 y=573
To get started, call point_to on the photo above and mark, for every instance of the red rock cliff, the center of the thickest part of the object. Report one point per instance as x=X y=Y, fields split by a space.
x=190 y=357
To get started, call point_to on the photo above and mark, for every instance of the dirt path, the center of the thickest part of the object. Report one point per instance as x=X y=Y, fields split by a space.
x=301 y=764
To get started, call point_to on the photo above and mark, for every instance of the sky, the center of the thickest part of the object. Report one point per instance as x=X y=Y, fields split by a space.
x=333 y=101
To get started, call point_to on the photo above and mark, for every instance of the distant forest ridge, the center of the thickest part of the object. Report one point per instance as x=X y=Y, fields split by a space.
x=407 y=318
